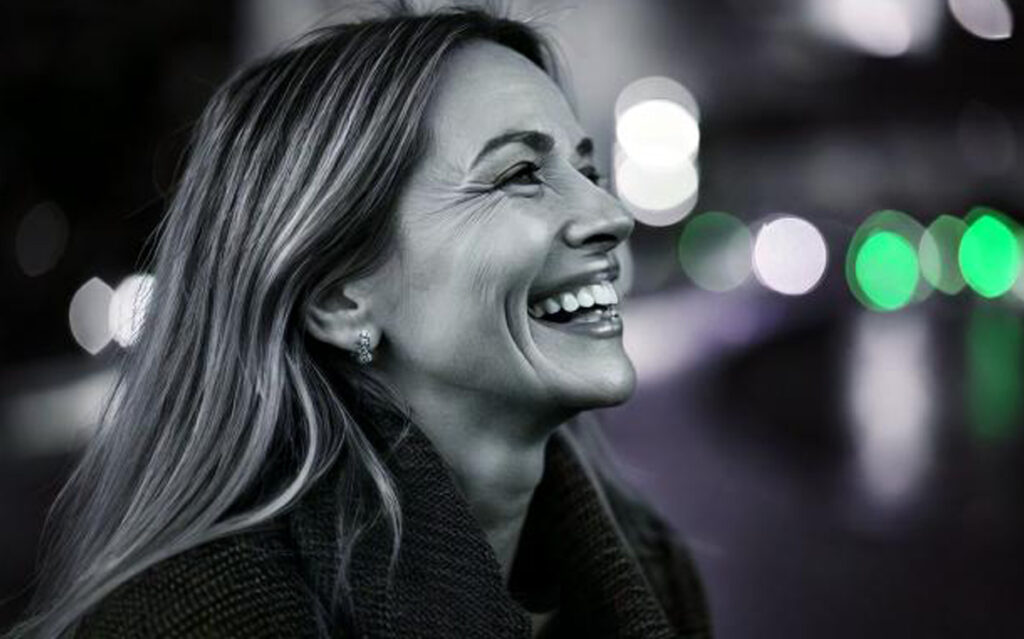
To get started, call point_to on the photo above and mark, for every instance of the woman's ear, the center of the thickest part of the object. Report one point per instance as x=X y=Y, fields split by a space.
x=339 y=315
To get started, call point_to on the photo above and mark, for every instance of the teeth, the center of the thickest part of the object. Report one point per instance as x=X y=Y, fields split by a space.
x=584 y=297
x=601 y=294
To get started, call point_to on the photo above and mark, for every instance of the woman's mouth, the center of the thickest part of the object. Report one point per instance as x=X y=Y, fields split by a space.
x=591 y=310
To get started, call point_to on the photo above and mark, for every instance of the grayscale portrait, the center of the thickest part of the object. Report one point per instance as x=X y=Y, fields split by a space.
x=386 y=292
x=512 y=319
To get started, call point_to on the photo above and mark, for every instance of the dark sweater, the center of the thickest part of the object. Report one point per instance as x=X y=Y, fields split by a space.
x=573 y=556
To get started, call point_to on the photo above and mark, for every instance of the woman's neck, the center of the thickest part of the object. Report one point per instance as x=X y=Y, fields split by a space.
x=496 y=454
x=498 y=477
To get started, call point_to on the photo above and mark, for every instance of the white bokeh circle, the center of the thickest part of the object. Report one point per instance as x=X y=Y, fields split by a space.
x=790 y=255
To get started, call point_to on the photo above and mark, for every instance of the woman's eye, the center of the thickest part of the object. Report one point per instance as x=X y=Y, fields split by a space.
x=524 y=173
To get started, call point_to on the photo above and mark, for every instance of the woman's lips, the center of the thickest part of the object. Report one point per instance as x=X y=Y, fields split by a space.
x=600 y=322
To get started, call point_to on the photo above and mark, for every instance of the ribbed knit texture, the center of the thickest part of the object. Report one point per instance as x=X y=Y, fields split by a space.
x=448 y=582
x=244 y=585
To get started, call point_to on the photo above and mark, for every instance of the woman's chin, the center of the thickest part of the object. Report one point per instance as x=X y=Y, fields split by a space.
x=609 y=384
x=577 y=370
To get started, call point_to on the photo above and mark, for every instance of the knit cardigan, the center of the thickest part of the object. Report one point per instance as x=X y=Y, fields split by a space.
x=276 y=580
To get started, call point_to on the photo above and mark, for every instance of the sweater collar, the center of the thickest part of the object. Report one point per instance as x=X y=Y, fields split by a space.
x=448 y=581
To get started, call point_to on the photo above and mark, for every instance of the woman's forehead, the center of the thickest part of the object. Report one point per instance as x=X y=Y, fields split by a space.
x=488 y=90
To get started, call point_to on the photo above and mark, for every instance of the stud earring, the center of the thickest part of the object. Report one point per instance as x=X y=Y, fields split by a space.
x=365 y=353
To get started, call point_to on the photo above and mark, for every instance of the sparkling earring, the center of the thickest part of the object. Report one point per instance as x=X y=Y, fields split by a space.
x=365 y=353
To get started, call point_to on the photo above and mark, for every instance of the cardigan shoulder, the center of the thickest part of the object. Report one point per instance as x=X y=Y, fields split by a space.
x=243 y=585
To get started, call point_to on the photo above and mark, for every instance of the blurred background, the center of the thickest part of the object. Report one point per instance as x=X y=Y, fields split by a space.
x=825 y=298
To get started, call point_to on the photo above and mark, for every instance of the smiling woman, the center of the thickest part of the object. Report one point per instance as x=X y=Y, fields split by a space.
x=385 y=298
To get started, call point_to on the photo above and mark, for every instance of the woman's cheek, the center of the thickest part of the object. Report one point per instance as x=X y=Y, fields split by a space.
x=525 y=246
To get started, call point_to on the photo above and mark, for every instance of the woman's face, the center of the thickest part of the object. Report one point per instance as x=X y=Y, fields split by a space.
x=502 y=219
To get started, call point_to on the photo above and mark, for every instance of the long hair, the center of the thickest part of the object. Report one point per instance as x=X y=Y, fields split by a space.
x=289 y=188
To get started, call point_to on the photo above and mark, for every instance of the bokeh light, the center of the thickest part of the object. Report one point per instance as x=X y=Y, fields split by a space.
x=657 y=140
x=790 y=255
x=883 y=272
x=657 y=196
x=891 y=390
x=887 y=270
x=88 y=315
x=986 y=19
x=658 y=133
x=878 y=27
x=41 y=238
x=989 y=253
x=715 y=251
x=128 y=308
x=656 y=122
x=938 y=250
x=882 y=28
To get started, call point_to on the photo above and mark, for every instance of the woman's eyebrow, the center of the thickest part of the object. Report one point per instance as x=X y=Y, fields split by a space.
x=539 y=141
x=536 y=140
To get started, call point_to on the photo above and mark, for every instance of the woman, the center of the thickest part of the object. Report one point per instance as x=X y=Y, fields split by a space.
x=384 y=284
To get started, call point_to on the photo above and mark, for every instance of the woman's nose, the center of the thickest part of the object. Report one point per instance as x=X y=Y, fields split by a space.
x=602 y=225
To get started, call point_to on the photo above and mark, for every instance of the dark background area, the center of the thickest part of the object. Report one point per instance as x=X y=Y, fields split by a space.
x=837 y=472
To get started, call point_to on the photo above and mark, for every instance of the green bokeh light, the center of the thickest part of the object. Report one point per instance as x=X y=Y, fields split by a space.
x=882 y=265
x=938 y=251
x=989 y=256
x=886 y=270
x=714 y=250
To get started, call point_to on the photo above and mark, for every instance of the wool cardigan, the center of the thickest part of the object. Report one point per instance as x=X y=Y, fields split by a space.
x=275 y=580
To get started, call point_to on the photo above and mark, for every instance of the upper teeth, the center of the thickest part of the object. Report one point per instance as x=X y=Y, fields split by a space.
x=587 y=296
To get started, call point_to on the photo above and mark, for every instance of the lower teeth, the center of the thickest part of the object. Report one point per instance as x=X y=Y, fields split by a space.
x=587 y=317
x=583 y=316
